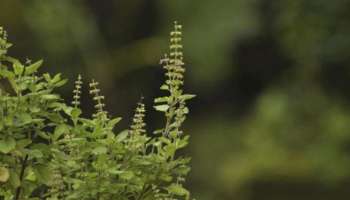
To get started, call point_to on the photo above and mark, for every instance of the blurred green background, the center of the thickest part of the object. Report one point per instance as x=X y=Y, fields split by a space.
x=272 y=116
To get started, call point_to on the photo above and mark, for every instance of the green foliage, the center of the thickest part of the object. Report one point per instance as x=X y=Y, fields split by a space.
x=48 y=150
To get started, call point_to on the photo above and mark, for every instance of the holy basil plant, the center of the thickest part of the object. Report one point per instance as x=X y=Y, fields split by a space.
x=49 y=151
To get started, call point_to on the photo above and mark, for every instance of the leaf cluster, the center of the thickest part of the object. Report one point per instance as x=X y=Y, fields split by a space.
x=48 y=150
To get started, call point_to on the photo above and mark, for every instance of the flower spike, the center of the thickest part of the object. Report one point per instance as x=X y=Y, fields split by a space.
x=77 y=92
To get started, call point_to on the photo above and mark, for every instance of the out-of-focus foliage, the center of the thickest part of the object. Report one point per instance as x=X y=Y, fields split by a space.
x=271 y=120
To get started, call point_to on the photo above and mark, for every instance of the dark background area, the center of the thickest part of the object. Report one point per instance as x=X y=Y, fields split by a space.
x=271 y=120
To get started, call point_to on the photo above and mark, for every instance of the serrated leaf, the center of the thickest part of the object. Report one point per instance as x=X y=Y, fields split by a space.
x=33 y=67
x=162 y=108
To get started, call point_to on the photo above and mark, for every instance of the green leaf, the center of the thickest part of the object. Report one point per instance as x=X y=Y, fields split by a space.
x=60 y=83
x=187 y=96
x=161 y=99
x=181 y=143
x=114 y=171
x=59 y=130
x=127 y=175
x=7 y=145
x=66 y=109
x=33 y=67
x=13 y=84
x=30 y=175
x=99 y=150
x=121 y=136
x=113 y=122
x=50 y=96
x=8 y=45
x=23 y=143
x=34 y=109
x=43 y=173
x=177 y=189
x=14 y=179
x=164 y=87
x=4 y=174
x=35 y=153
x=18 y=68
x=6 y=73
x=24 y=118
x=158 y=131
x=43 y=148
x=76 y=112
x=56 y=78
x=47 y=77
x=185 y=110
x=43 y=135
x=162 y=108
x=166 y=177
x=170 y=149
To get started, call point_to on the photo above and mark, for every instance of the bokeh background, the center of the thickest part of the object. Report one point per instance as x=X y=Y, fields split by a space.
x=272 y=116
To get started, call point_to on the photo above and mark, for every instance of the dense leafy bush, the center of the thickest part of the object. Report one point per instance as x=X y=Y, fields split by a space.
x=48 y=150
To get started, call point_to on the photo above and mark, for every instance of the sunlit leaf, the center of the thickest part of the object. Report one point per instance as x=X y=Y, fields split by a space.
x=33 y=67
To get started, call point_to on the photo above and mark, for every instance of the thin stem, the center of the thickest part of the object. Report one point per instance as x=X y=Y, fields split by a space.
x=24 y=165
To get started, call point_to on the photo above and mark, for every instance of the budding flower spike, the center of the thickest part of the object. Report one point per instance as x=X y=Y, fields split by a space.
x=77 y=92
x=98 y=99
x=138 y=123
x=174 y=63
x=174 y=105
